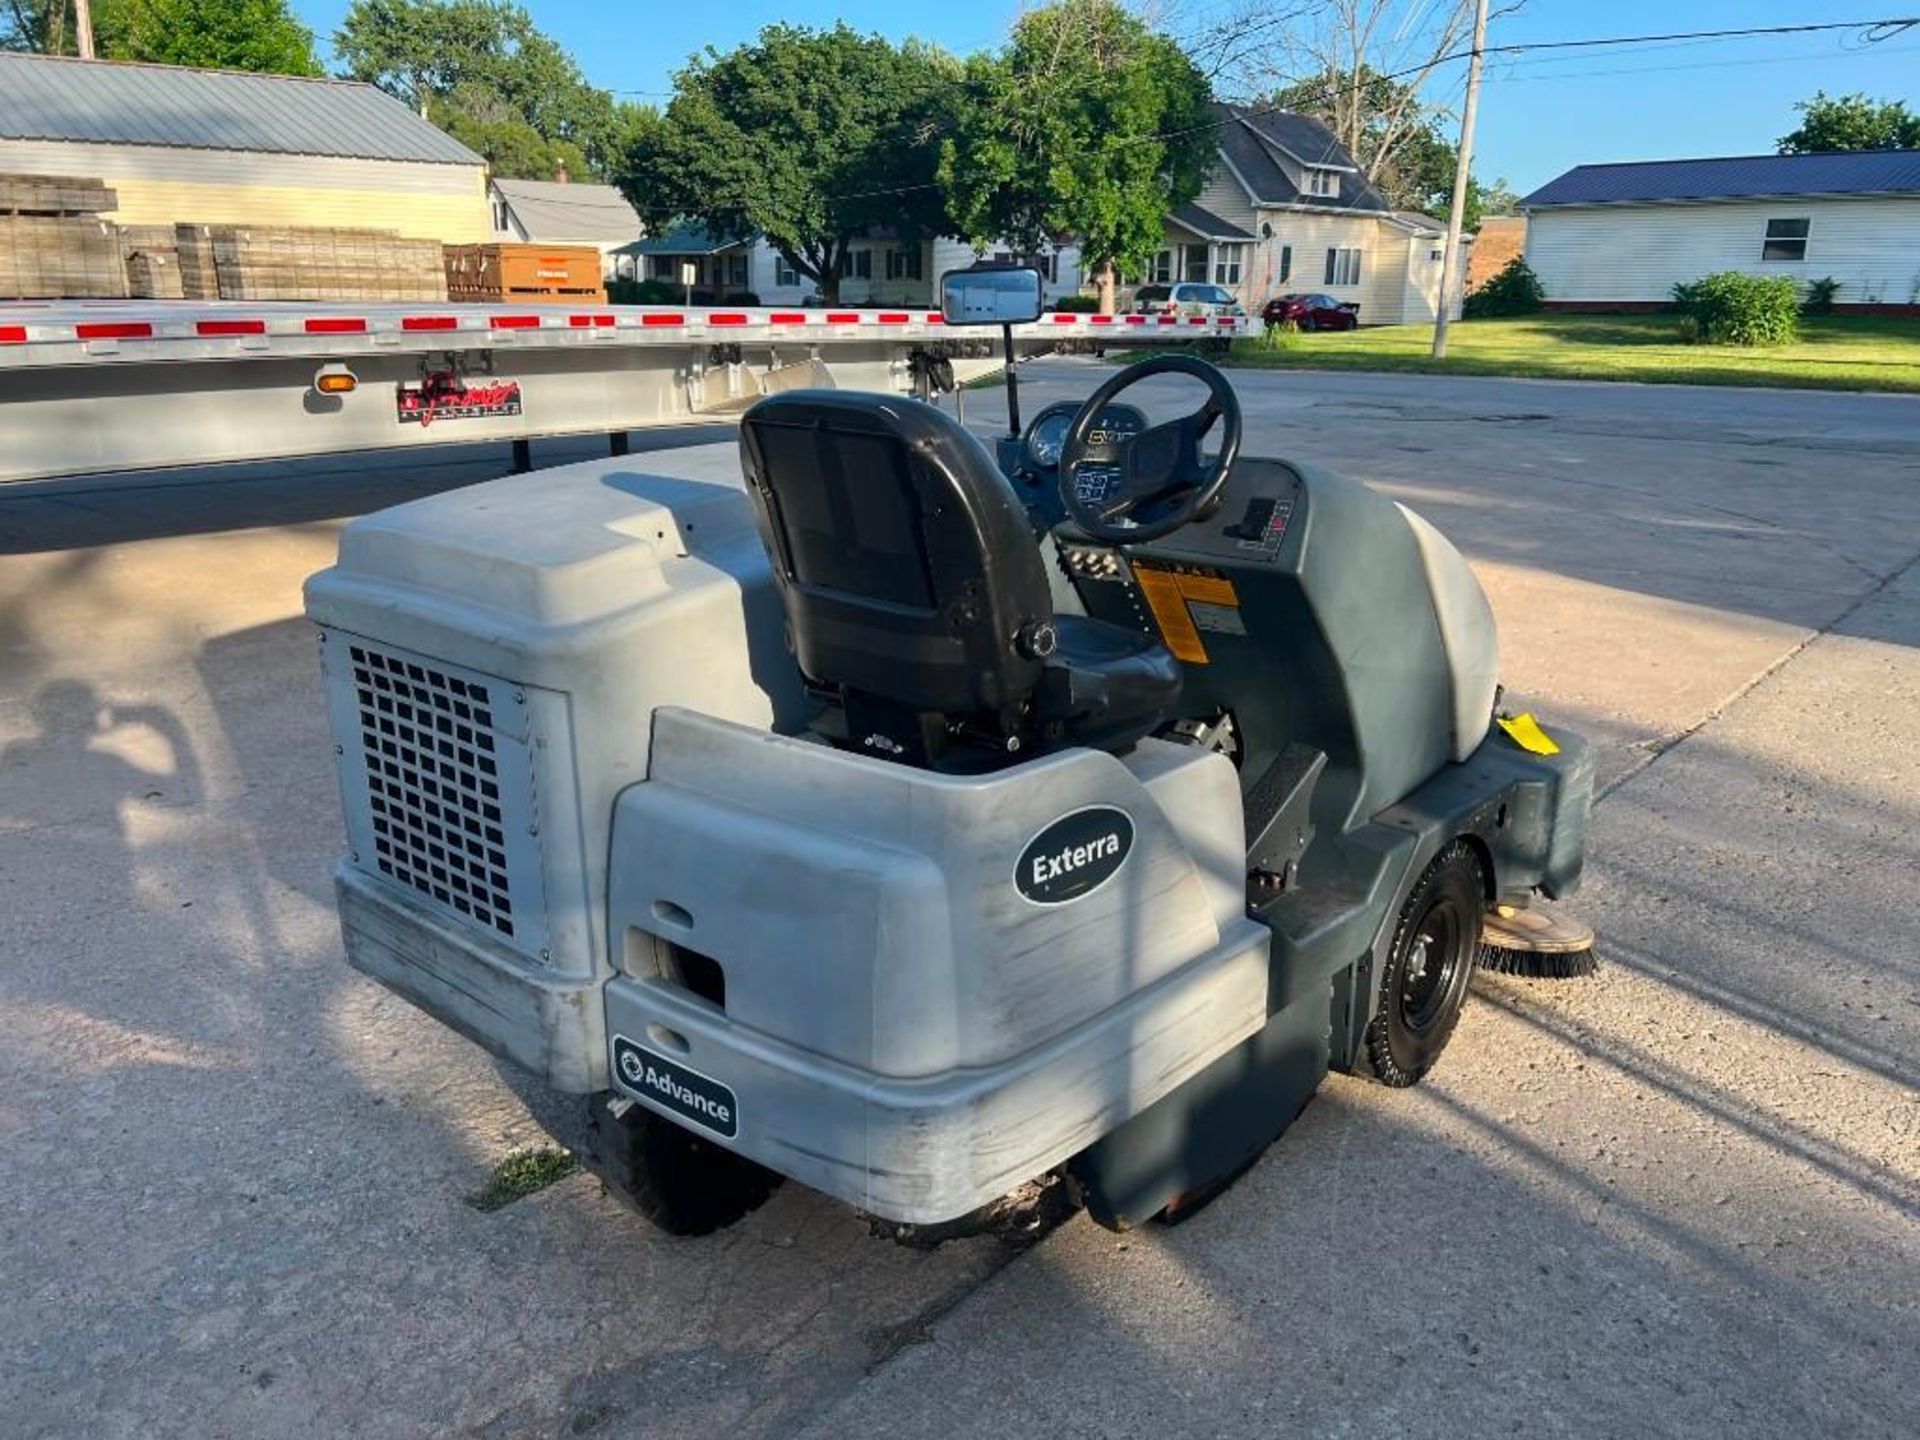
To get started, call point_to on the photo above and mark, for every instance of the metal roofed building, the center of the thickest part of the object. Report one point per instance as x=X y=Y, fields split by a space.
x=1621 y=236
x=559 y=212
x=219 y=147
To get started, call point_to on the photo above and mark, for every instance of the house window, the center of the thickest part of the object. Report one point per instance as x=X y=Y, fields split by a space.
x=1343 y=267
x=1786 y=240
x=663 y=267
x=856 y=264
x=903 y=262
x=500 y=216
x=1323 y=182
x=1227 y=261
x=784 y=275
x=1160 y=269
x=1193 y=264
x=1286 y=263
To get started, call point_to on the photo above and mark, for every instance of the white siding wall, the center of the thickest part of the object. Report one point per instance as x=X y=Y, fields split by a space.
x=1639 y=252
x=1226 y=197
x=1381 y=291
x=937 y=257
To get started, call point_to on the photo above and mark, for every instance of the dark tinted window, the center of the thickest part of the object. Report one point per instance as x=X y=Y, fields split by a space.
x=850 y=514
x=1151 y=292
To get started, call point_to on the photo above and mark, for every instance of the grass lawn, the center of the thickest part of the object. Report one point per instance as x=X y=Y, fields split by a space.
x=1833 y=352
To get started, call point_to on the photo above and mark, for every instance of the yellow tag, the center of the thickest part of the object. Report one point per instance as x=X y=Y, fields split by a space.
x=1528 y=735
x=1170 y=610
x=1208 y=589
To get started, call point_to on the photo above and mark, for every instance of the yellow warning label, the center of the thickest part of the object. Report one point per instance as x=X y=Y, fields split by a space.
x=1170 y=613
x=1208 y=589
x=1527 y=734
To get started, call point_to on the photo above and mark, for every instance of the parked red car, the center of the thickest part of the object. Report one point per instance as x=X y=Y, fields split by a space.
x=1312 y=312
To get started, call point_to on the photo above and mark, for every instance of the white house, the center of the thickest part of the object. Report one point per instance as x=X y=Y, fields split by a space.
x=879 y=270
x=557 y=212
x=1619 y=237
x=1288 y=211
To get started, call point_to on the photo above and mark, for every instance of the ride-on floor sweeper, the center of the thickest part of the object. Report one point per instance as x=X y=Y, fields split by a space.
x=920 y=825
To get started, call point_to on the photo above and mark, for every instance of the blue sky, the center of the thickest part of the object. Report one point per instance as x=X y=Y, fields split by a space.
x=1539 y=114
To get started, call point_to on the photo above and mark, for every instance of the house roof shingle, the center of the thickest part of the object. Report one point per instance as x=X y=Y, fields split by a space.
x=1734 y=177
x=1247 y=132
x=109 y=102
x=556 y=210
x=1202 y=221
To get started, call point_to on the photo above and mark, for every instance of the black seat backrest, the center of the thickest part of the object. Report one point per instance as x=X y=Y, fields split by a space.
x=902 y=554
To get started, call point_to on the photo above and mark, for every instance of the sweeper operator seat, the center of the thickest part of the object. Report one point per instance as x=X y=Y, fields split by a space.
x=916 y=600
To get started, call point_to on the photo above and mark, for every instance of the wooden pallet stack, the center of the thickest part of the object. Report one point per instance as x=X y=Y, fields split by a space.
x=153 y=262
x=550 y=274
x=287 y=263
x=193 y=251
x=53 y=243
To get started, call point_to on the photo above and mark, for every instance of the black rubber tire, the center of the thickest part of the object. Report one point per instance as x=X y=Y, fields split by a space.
x=1418 y=1005
x=684 y=1184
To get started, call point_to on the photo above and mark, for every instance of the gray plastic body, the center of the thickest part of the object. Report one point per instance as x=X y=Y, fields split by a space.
x=901 y=1026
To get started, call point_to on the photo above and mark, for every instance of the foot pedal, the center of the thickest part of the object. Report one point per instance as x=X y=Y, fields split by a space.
x=1279 y=824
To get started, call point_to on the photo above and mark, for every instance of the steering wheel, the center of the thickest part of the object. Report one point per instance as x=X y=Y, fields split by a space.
x=1161 y=471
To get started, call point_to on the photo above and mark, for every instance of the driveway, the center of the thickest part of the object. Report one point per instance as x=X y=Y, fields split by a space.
x=1679 y=1198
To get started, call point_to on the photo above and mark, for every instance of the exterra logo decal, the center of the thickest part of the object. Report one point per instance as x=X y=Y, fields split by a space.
x=674 y=1087
x=1048 y=868
x=1075 y=855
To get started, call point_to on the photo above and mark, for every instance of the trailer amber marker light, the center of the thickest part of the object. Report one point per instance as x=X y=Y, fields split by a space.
x=335 y=380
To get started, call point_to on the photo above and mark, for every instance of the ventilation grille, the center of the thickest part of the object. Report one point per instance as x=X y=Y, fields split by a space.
x=432 y=758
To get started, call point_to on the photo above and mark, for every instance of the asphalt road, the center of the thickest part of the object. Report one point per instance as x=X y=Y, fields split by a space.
x=1683 y=1198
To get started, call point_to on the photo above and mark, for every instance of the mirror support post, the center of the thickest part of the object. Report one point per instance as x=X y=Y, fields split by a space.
x=1013 y=383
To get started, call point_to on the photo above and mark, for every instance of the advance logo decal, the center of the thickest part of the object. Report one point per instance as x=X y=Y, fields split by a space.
x=1075 y=855
x=672 y=1086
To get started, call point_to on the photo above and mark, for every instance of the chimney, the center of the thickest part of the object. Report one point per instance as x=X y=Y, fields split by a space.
x=560 y=172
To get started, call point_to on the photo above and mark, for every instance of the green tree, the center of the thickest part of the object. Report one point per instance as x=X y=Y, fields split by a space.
x=260 y=35
x=481 y=70
x=1851 y=122
x=808 y=137
x=1087 y=125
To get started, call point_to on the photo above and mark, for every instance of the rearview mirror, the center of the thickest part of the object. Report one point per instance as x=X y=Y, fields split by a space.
x=991 y=295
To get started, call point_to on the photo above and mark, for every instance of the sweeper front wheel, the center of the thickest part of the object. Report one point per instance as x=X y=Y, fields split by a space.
x=682 y=1183
x=1424 y=982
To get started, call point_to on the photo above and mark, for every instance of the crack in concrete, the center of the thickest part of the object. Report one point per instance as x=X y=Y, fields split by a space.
x=1665 y=744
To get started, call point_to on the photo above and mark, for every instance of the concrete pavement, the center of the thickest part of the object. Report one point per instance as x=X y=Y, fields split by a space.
x=1680 y=1198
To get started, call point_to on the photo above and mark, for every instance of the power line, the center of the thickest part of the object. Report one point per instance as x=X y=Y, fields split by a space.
x=1872 y=32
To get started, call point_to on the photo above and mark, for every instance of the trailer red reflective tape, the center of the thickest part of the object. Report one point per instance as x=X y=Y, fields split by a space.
x=663 y=320
x=430 y=322
x=114 y=330
x=336 y=325
x=514 y=322
x=13 y=334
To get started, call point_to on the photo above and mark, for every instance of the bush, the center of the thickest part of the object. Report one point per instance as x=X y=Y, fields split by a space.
x=643 y=292
x=741 y=297
x=1820 y=295
x=1516 y=290
x=1078 y=304
x=1734 y=308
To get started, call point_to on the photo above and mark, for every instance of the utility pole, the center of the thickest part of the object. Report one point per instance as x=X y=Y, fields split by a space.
x=83 y=27
x=1450 y=257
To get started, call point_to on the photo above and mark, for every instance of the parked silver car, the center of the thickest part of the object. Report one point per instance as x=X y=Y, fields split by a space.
x=1186 y=298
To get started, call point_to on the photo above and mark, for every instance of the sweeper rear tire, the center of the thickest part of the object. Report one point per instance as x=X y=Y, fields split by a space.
x=682 y=1183
x=1423 y=985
